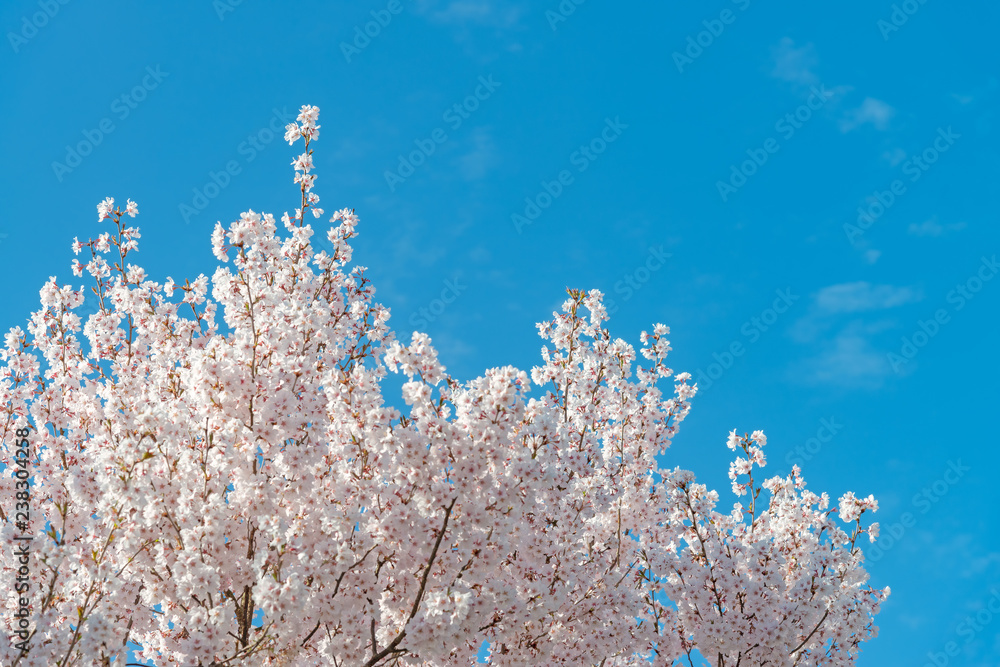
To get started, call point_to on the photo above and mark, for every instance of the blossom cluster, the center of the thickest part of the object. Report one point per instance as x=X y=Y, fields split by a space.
x=221 y=481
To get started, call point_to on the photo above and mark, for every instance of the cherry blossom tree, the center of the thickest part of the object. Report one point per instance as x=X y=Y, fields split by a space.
x=239 y=492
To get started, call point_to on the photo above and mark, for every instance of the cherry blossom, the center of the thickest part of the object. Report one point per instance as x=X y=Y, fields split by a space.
x=219 y=479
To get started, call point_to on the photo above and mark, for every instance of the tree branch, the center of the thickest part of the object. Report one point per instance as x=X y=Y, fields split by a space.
x=391 y=647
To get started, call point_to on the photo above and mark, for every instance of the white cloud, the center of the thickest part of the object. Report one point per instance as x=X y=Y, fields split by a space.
x=792 y=64
x=933 y=228
x=861 y=296
x=476 y=12
x=477 y=162
x=843 y=354
x=848 y=360
x=895 y=156
x=873 y=111
x=980 y=93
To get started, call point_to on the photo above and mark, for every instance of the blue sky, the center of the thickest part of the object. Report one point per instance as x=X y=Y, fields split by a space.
x=805 y=194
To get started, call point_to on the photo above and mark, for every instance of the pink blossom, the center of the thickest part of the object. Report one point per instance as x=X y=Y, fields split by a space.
x=226 y=453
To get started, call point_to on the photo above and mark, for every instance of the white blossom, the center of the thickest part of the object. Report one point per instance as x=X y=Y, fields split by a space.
x=217 y=451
